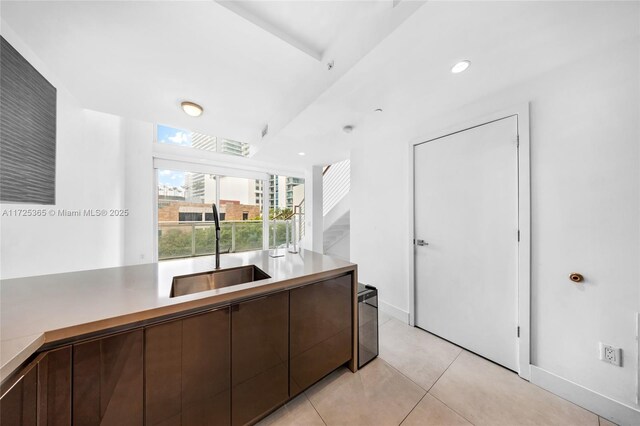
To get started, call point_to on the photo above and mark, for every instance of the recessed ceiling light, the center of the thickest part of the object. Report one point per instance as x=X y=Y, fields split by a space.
x=460 y=66
x=302 y=154
x=192 y=109
x=347 y=129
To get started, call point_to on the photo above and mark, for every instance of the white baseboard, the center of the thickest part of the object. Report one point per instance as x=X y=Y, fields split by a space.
x=605 y=407
x=397 y=313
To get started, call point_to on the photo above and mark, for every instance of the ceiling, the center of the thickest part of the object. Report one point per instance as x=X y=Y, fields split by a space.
x=248 y=64
x=309 y=26
x=252 y=63
x=408 y=74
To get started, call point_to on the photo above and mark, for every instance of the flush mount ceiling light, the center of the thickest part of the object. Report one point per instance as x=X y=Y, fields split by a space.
x=347 y=129
x=302 y=154
x=460 y=66
x=192 y=109
x=377 y=110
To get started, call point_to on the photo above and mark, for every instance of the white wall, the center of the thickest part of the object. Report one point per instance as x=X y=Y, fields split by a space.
x=341 y=249
x=88 y=176
x=313 y=217
x=585 y=182
x=102 y=162
x=139 y=229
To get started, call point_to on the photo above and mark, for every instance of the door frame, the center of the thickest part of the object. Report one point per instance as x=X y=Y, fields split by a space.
x=521 y=112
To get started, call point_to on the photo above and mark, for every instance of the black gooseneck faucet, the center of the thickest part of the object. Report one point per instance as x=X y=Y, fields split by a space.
x=216 y=219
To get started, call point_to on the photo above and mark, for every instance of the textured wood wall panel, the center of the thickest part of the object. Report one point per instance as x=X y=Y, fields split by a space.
x=27 y=131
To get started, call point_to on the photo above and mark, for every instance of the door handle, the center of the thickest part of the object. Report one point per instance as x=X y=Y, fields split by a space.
x=421 y=243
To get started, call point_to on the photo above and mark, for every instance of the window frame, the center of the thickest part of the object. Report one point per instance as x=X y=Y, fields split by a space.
x=172 y=157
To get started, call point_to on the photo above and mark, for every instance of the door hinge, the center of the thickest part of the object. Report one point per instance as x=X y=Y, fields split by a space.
x=518 y=331
x=517 y=141
x=518 y=235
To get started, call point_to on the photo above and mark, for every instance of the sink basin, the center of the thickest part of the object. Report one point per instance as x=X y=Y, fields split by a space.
x=194 y=283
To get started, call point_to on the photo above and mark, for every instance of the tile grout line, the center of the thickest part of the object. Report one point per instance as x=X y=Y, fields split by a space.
x=414 y=407
x=431 y=387
x=402 y=374
x=314 y=407
x=445 y=404
x=426 y=391
x=411 y=380
x=445 y=370
x=438 y=379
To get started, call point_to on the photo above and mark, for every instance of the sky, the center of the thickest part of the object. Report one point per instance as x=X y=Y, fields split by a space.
x=170 y=178
x=172 y=136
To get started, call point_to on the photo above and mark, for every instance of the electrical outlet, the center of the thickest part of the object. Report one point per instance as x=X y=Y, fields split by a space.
x=610 y=354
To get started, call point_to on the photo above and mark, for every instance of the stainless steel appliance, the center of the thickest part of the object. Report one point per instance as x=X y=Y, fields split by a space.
x=367 y=324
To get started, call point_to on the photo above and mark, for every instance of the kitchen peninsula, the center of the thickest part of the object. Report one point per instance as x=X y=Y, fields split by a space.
x=123 y=346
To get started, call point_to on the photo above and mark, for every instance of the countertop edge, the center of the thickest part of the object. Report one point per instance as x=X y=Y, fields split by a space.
x=138 y=319
x=13 y=364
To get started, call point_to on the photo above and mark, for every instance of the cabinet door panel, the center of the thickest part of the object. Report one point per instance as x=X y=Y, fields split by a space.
x=108 y=381
x=18 y=405
x=206 y=369
x=54 y=388
x=187 y=370
x=321 y=330
x=259 y=336
x=163 y=373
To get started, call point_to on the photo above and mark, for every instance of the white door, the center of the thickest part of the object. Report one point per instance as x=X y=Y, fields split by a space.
x=466 y=212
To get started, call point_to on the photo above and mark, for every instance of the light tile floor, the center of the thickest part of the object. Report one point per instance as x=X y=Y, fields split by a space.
x=420 y=379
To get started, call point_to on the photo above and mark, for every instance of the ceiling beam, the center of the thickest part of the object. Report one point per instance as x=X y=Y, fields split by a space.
x=236 y=7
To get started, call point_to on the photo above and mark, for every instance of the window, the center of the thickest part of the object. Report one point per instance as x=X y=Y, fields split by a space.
x=185 y=217
x=184 y=200
x=189 y=217
x=286 y=206
x=242 y=228
x=186 y=138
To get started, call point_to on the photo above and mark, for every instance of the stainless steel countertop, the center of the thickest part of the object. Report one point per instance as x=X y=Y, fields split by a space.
x=49 y=308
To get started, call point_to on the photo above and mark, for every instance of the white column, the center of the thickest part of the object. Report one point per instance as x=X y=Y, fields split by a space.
x=313 y=209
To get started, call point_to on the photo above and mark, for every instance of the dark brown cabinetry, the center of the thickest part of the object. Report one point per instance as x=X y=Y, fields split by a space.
x=54 y=388
x=321 y=330
x=231 y=365
x=187 y=371
x=41 y=393
x=260 y=356
x=108 y=381
x=19 y=401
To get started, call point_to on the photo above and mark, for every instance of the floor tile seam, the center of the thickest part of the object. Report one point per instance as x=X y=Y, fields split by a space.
x=450 y=408
x=445 y=370
x=403 y=375
x=413 y=408
x=533 y=384
x=314 y=407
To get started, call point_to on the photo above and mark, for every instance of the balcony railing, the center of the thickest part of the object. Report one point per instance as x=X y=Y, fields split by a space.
x=187 y=239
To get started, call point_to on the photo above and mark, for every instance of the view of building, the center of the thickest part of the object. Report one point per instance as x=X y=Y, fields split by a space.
x=281 y=191
x=234 y=148
x=185 y=211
